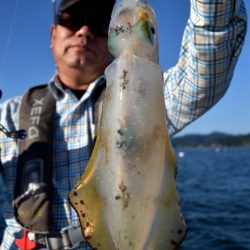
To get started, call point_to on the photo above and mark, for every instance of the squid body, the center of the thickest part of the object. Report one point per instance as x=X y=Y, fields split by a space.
x=127 y=198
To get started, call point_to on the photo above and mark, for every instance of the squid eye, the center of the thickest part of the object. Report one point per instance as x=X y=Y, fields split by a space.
x=151 y=28
x=152 y=31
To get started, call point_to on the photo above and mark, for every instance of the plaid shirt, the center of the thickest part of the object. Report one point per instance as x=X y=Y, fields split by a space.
x=211 y=45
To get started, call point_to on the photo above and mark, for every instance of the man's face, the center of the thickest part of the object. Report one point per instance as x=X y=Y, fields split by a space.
x=77 y=47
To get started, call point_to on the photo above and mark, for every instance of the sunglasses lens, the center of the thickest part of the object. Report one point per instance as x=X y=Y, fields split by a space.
x=98 y=27
x=75 y=22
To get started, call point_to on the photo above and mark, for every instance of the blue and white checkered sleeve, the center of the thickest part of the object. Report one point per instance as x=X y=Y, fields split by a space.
x=211 y=45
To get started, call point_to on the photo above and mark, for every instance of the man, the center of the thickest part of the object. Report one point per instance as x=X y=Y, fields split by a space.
x=211 y=45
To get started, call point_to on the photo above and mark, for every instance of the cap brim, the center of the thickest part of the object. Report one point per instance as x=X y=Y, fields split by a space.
x=75 y=4
x=69 y=5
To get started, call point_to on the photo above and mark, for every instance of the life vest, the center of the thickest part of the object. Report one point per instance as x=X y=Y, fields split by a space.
x=33 y=187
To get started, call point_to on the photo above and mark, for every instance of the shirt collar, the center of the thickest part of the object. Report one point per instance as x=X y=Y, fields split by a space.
x=59 y=92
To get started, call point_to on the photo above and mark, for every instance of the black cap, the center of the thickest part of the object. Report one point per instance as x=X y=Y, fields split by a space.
x=95 y=13
x=105 y=6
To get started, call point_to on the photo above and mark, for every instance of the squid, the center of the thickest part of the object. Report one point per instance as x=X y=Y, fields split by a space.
x=127 y=196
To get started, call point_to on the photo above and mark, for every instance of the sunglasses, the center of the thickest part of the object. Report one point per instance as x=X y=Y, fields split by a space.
x=98 y=25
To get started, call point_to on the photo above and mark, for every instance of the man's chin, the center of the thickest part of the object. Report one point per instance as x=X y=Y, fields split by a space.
x=85 y=66
x=80 y=63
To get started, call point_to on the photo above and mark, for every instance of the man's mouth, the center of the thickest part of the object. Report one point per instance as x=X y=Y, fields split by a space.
x=80 y=47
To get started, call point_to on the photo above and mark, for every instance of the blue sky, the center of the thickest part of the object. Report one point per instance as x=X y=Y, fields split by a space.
x=26 y=60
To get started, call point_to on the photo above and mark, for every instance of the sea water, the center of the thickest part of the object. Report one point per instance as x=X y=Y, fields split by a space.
x=214 y=186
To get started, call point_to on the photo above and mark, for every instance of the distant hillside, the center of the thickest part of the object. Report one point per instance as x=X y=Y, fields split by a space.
x=215 y=139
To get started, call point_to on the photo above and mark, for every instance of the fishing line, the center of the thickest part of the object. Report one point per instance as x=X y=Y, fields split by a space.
x=54 y=8
x=8 y=40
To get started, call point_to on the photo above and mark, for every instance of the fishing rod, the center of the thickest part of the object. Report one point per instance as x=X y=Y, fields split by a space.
x=16 y=134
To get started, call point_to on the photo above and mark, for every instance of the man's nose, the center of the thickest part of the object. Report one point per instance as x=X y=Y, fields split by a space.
x=85 y=31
